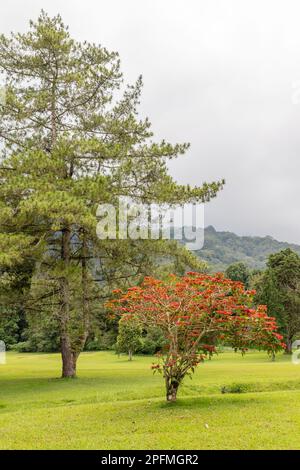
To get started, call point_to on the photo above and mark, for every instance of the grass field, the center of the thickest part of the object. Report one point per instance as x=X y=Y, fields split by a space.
x=115 y=404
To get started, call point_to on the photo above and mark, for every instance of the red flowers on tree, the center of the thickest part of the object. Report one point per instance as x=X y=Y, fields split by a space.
x=195 y=312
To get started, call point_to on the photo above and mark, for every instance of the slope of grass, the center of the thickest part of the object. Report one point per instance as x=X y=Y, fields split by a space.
x=115 y=404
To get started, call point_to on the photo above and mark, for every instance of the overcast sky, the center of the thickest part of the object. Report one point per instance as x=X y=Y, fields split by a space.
x=222 y=75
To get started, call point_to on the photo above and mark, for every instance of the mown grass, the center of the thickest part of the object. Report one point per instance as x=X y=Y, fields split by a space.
x=115 y=404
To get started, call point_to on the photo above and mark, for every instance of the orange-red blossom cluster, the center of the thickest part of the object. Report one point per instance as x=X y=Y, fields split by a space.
x=195 y=312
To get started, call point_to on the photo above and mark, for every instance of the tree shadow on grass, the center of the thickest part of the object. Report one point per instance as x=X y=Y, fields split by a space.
x=213 y=401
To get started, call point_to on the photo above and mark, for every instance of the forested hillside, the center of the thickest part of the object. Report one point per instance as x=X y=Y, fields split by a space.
x=224 y=248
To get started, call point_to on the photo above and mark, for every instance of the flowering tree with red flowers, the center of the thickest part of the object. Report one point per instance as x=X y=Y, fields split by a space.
x=195 y=312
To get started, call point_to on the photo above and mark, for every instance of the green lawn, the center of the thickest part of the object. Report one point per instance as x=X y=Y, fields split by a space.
x=115 y=404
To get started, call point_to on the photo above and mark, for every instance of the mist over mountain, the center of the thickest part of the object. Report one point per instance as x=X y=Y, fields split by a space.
x=224 y=248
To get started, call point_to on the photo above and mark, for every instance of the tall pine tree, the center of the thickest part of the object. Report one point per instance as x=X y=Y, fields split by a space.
x=72 y=139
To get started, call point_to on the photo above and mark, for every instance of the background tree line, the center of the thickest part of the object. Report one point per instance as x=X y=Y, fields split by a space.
x=278 y=287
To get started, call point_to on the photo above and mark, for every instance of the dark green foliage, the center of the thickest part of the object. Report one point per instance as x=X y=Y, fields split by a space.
x=238 y=272
x=40 y=336
x=279 y=288
x=10 y=328
x=101 y=340
x=153 y=341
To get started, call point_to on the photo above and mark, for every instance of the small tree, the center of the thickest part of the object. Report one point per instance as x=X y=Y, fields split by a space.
x=129 y=339
x=194 y=312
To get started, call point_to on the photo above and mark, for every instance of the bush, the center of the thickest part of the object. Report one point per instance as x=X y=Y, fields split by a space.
x=9 y=327
x=40 y=338
x=23 y=346
x=101 y=341
x=152 y=342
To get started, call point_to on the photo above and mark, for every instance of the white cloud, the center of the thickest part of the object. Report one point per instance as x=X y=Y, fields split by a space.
x=218 y=74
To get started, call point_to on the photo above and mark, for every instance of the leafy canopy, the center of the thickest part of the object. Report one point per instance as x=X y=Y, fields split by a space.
x=194 y=313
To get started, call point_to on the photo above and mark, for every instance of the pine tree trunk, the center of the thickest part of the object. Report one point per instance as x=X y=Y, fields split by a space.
x=68 y=359
x=85 y=294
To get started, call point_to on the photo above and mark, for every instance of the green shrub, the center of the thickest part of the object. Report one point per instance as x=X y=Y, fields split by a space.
x=9 y=327
x=101 y=341
x=152 y=342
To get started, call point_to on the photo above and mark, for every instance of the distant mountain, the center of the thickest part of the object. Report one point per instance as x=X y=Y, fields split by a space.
x=224 y=248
